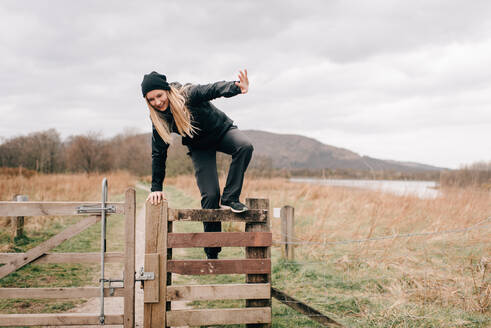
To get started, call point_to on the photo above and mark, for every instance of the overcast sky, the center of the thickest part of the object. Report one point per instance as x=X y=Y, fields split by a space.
x=402 y=80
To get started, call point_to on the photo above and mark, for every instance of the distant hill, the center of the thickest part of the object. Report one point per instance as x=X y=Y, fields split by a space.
x=299 y=152
x=292 y=151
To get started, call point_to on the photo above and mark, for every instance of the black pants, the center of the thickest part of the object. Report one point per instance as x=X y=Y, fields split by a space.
x=234 y=143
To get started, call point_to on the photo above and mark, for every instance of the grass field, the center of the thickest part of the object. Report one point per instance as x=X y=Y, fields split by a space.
x=439 y=280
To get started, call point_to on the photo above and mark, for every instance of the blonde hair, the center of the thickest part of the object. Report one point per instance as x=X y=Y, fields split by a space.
x=180 y=112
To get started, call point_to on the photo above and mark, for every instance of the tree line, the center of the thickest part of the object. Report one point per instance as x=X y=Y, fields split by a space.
x=46 y=152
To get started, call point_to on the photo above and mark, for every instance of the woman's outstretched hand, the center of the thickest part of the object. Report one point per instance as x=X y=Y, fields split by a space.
x=244 y=81
x=156 y=197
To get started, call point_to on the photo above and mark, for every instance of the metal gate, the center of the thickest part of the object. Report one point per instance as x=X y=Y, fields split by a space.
x=93 y=212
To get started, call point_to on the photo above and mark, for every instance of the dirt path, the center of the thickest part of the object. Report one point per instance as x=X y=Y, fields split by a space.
x=114 y=305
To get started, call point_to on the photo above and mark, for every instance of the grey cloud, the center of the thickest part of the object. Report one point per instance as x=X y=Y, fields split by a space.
x=351 y=69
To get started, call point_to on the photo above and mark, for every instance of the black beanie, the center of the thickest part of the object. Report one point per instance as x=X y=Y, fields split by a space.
x=154 y=81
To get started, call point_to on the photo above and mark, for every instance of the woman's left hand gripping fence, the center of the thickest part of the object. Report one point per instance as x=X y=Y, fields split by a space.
x=160 y=240
x=94 y=212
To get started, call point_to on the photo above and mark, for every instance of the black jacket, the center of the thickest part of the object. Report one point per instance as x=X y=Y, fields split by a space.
x=211 y=124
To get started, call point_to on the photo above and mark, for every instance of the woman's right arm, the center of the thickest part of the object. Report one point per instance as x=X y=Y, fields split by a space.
x=206 y=92
x=159 y=157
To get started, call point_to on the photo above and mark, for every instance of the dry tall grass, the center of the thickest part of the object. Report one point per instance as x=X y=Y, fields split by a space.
x=61 y=187
x=445 y=269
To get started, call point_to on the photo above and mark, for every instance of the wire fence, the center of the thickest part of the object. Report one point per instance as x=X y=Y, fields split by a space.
x=480 y=224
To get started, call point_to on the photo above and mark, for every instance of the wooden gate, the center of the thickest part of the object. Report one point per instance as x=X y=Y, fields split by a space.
x=40 y=254
x=160 y=240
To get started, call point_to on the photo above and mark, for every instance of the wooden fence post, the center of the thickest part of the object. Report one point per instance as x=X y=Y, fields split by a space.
x=129 y=269
x=258 y=252
x=155 y=291
x=17 y=223
x=287 y=231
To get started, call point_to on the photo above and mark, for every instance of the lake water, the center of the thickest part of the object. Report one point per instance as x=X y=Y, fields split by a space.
x=422 y=189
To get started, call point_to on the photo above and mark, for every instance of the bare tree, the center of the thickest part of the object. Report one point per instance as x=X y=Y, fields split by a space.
x=40 y=151
x=88 y=153
x=131 y=151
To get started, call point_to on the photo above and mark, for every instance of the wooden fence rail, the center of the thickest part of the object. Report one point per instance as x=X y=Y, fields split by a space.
x=110 y=257
x=51 y=208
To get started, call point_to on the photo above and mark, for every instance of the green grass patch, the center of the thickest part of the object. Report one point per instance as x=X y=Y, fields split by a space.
x=12 y=306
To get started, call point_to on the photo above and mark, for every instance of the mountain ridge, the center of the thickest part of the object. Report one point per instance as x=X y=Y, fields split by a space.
x=283 y=149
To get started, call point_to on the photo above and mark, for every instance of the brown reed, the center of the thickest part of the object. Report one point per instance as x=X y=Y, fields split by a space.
x=61 y=187
x=440 y=269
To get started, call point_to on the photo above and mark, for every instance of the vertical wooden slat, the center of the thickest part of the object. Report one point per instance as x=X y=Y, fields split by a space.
x=129 y=266
x=156 y=242
x=258 y=252
x=152 y=264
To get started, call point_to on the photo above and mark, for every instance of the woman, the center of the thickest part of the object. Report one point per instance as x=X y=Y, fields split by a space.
x=205 y=129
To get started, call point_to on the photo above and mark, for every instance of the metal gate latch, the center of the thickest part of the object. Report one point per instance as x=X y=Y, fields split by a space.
x=111 y=287
x=95 y=209
x=141 y=276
